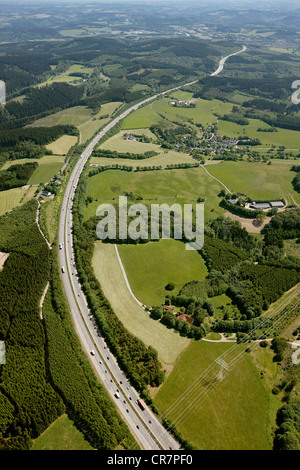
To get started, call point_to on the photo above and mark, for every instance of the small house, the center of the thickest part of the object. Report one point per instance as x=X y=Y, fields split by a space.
x=185 y=317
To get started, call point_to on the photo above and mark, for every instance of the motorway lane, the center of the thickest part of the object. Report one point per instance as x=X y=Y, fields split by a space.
x=143 y=423
x=91 y=339
x=223 y=60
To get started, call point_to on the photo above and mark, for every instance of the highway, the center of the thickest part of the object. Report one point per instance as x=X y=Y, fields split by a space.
x=148 y=431
x=142 y=423
x=223 y=60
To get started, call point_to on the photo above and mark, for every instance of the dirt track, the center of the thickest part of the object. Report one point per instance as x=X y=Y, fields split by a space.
x=3 y=257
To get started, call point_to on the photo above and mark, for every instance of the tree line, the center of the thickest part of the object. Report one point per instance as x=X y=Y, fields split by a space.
x=139 y=363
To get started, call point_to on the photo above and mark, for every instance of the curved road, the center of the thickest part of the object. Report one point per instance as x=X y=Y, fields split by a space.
x=143 y=424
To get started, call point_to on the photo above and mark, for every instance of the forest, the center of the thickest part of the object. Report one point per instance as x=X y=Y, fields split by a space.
x=17 y=175
x=30 y=402
x=29 y=142
x=46 y=373
x=284 y=225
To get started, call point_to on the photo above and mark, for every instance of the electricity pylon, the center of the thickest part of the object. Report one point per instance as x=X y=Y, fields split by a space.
x=223 y=365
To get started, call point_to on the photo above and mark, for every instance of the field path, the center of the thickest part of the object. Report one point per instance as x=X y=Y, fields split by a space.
x=167 y=342
x=42 y=300
x=125 y=277
x=38 y=225
x=215 y=178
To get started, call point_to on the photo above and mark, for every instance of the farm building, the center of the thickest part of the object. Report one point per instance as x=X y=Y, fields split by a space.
x=276 y=204
x=185 y=317
x=168 y=307
x=45 y=193
x=260 y=205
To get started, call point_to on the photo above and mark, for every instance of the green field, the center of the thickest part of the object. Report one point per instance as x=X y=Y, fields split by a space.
x=236 y=415
x=119 y=144
x=164 y=186
x=203 y=113
x=286 y=137
x=258 y=180
x=66 y=76
x=61 y=435
x=48 y=167
x=144 y=117
x=73 y=116
x=62 y=145
x=82 y=117
x=149 y=267
x=88 y=129
x=163 y=159
x=206 y=112
x=136 y=320
x=10 y=199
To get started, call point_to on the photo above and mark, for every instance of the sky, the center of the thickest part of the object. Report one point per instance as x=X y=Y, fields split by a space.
x=211 y=5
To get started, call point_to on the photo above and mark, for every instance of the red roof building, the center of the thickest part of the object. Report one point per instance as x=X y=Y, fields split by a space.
x=168 y=307
x=185 y=317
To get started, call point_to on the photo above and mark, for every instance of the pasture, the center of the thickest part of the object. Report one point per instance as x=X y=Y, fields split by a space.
x=258 y=180
x=235 y=414
x=144 y=117
x=120 y=144
x=286 y=137
x=48 y=167
x=149 y=267
x=181 y=186
x=73 y=116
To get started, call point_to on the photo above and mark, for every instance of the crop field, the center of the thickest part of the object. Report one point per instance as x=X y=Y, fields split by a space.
x=62 y=145
x=10 y=199
x=235 y=415
x=258 y=180
x=164 y=186
x=136 y=320
x=76 y=115
x=163 y=159
x=88 y=129
x=149 y=267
